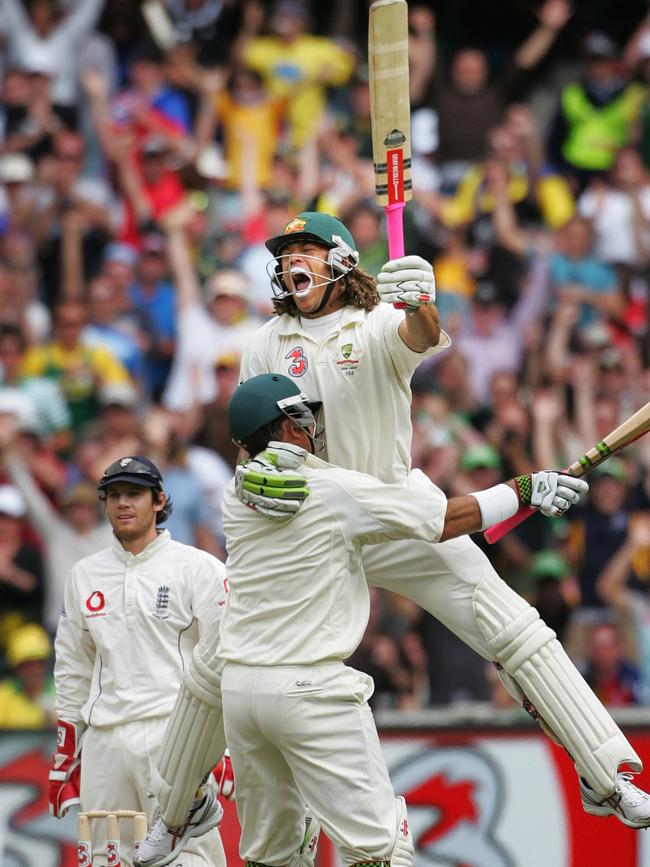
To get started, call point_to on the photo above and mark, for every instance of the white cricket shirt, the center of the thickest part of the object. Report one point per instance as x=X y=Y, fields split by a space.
x=362 y=372
x=298 y=593
x=128 y=629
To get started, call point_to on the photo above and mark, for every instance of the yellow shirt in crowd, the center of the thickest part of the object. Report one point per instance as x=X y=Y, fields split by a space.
x=258 y=123
x=18 y=711
x=300 y=70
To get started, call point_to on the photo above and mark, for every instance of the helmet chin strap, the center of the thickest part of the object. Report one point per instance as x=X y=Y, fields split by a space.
x=325 y=299
x=328 y=292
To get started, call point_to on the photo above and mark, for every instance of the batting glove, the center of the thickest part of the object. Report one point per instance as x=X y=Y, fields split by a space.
x=225 y=778
x=65 y=773
x=408 y=281
x=269 y=483
x=550 y=492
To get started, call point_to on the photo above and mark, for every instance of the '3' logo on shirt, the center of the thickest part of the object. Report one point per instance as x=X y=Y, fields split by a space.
x=299 y=362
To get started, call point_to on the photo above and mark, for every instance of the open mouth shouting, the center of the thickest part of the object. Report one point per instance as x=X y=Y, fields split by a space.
x=302 y=281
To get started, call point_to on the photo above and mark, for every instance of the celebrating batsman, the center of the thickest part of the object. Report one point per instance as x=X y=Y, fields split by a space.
x=338 y=334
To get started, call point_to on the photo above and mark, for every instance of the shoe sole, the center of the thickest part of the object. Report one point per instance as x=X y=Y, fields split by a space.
x=195 y=832
x=594 y=810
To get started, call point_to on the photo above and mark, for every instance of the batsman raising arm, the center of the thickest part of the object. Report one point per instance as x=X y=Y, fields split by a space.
x=297 y=719
x=338 y=335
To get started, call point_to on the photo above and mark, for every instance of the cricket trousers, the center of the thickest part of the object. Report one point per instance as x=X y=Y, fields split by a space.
x=115 y=770
x=305 y=735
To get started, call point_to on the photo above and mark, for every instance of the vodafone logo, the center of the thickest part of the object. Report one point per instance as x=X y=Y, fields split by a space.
x=96 y=603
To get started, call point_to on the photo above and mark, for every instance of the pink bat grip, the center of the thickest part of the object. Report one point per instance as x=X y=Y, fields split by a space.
x=395 y=226
x=497 y=531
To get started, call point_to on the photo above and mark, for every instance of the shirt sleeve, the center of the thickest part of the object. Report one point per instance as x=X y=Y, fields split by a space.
x=39 y=509
x=74 y=657
x=404 y=359
x=256 y=55
x=80 y=21
x=108 y=367
x=337 y=62
x=210 y=588
x=34 y=362
x=13 y=17
x=371 y=511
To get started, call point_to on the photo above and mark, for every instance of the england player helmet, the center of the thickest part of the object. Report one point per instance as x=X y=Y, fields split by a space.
x=264 y=398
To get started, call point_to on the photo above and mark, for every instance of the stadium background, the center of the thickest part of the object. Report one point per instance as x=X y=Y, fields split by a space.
x=112 y=146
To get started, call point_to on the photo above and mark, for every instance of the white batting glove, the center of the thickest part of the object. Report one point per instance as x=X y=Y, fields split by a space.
x=269 y=483
x=408 y=281
x=550 y=492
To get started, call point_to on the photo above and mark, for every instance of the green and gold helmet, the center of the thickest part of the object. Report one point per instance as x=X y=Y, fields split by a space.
x=312 y=226
x=323 y=229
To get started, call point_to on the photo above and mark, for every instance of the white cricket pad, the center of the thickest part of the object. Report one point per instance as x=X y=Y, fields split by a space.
x=194 y=739
x=530 y=653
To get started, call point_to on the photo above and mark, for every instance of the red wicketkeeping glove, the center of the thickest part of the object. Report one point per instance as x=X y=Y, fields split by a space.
x=65 y=773
x=224 y=776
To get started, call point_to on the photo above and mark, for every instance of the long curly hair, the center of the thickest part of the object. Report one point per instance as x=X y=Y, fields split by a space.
x=359 y=290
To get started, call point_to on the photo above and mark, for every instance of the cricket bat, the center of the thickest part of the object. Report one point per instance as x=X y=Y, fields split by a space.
x=390 y=112
x=635 y=427
x=159 y=23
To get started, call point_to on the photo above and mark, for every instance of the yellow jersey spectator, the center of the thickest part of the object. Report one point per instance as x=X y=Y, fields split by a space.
x=298 y=66
x=251 y=121
x=27 y=696
x=80 y=370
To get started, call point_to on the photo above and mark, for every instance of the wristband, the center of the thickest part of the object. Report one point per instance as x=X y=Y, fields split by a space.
x=496 y=504
x=524 y=488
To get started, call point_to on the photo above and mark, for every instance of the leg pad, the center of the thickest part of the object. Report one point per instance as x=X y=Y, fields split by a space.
x=194 y=739
x=532 y=656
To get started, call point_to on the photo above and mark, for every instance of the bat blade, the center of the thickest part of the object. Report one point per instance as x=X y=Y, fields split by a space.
x=389 y=101
x=624 y=435
x=160 y=24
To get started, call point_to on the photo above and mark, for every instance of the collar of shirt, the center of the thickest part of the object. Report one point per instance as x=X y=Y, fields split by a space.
x=152 y=548
x=289 y=325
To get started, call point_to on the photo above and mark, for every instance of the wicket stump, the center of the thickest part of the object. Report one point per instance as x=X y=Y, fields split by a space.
x=113 y=819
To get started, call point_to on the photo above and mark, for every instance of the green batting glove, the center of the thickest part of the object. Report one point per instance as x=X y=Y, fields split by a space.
x=264 y=485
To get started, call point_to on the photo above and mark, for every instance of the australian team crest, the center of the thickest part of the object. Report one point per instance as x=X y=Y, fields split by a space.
x=295 y=225
x=347 y=358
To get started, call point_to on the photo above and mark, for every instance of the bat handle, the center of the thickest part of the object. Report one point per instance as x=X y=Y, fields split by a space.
x=497 y=531
x=395 y=226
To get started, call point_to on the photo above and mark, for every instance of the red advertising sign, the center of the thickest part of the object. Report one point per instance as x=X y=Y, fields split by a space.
x=497 y=798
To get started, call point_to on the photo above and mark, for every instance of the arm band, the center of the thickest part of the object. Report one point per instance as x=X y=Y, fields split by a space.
x=496 y=504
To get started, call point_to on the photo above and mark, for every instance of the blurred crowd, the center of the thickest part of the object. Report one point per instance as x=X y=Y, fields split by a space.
x=148 y=150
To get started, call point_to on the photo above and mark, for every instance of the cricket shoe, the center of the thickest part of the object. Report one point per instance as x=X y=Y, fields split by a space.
x=629 y=804
x=163 y=844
